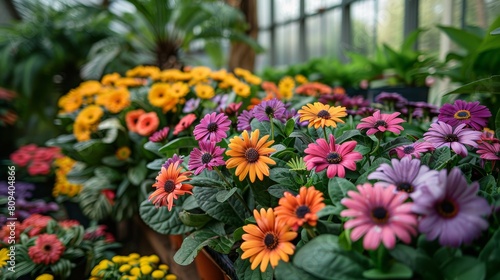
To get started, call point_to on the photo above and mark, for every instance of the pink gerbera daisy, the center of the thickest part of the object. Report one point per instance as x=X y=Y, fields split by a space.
x=212 y=127
x=206 y=157
x=381 y=122
x=380 y=214
x=47 y=249
x=333 y=157
x=489 y=151
x=413 y=150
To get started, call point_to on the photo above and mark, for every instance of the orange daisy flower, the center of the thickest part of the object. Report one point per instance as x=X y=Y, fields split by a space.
x=250 y=155
x=267 y=242
x=131 y=119
x=321 y=115
x=301 y=209
x=169 y=186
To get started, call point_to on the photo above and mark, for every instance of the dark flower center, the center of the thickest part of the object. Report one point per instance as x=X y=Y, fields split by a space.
x=462 y=115
x=252 y=155
x=324 y=114
x=333 y=157
x=380 y=215
x=212 y=127
x=269 y=111
x=451 y=138
x=302 y=211
x=47 y=247
x=169 y=186
x=405 y=187
x=271 y=241
x=380 y=123
x=206 y=158
x=408 y=150
x=447 y=208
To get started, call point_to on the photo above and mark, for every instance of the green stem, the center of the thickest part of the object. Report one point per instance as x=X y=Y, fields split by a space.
x=223 y=178
x=376 y=147
x=379 y=257
x=272 y=127
x=311 y=232
x=243 y=202
x=324 y=132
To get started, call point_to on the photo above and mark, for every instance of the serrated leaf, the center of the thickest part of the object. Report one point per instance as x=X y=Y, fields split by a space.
x=224 y=195
x=161 y=220
x=194 y=219
x=229 y=212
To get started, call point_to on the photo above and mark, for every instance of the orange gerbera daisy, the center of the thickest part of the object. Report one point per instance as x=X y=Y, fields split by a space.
x=250 y=155
x=169 y=185
x=301 y=209
x=268 y=241
x=147 y=124
x=132 y=117
x=321 y=115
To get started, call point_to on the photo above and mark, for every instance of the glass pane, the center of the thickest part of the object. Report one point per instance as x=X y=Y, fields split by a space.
x=390 y=21
x=281 y=40
x=286 y=9
x=313 y=37
x=264 y=13
x=292 y=43
x=364 y=28
x=313 y=6
x=332 y=32
x=263 y=59
x=430 y=14
x=493 y=10
x=482 y=13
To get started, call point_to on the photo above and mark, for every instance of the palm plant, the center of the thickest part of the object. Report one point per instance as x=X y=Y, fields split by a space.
x=161 y=32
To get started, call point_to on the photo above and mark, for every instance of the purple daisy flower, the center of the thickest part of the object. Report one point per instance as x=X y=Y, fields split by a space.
x=414 y=150
x=272 y=108
x=408 y=175
x=160 y=135
x=470 y=113
x=244 y=120
x=191 y=105
x=175 y=158
x=220 y=100
x=212 y=127
x=390 y=98
x=441 y=134
x=451 y=210
x=206 y=157
x=23 y=189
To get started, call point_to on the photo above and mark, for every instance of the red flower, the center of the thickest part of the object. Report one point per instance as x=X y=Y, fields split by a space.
x=131 y=119
x=39 y=168
x=48 y=249
x=20 y=158
x=184 y=123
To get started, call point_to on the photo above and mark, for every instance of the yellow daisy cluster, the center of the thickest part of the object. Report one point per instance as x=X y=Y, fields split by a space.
x=45 y=276
x=4 y=257
x=62 y=186
x=286 y=86
x=141 y=71
x=132 y=267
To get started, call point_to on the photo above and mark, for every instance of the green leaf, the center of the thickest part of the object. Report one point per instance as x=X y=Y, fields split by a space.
x=91 y=151
x=244 y=271
x=182 y=142
x=347 y=135
x=286 y=271
x=282 y=176
x=137 y=174
x=397 y=271
x=338 y=188
x=156 y=164
x=229 y=212
x=486 y=85
x=153 y=147
x=464 y=268
x=289 y=126
x=109 y=173
x=464 y=39
x=161 y=220
x=490 y=254
x=399 y=141
x=325 y=259
x=93 y=203
x=193 y=219
x=224 y=195
x=278 y=190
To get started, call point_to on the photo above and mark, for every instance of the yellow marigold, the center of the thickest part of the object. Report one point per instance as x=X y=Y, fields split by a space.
x=159 y=94
x=146 y=269
x=219 y=75
x=163 y=267
x=89 y=115
x=287 y=83
x=254 y=80
x=171 y=277
x=64 y=163
x=130 y=82
x=241 y=89
x=110 y=79
x=123 y=153
x=301 y=79
x=134 y=256
x=144 y=72
x=228 y=81
x=4 y=257
x=124 y=268
x=204 y=91
x=158 y=274
x=154 y=259
x=82 y=131
x=242 y=72
x=70 y=102
x=73 y=190
x=116 y=100
x=135 y=271
x=286 y=94
x=45 y=276
x=200 y=73
x=179 y=89
x=89 y=88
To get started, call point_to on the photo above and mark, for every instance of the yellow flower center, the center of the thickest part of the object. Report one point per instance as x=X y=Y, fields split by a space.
x=462 y=115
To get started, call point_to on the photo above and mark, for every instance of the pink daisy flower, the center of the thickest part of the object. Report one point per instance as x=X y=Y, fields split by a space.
x=381 y=122
x=184 y=123
x=489 y=151
x=414 y=150
x=333 y=157
x=212 y=127
x=160 y=135
x=206 y=157
x=380 y=214
x=48 y=249
x=441 y=134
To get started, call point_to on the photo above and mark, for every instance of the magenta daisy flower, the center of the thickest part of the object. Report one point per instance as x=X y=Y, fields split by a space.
x=212 y=127
x=414 y=150
x=206 y=157
x=461 y=112
x=244 y=120
x=451 y=210
x=333 y=157
x=406 y=174
x=381 y=122
x=174 y=159
x=273 y=108
x=489 y=151
x=160 y=135
x=441 y=134
x=391 y=98
x=380 y=214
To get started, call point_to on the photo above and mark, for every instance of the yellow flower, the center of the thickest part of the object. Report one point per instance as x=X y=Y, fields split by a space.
x=179 y=89
x=219 y=75
x=254 y=80
x=204 y=91
x=82 y=131
x=286 y=94
x=45 y=276
x=144 y=72
x=228 y=81
x=89 y=115
x=134 y=256
x=159 y=94
x=241 y=89
x=129 y=82
x=154 y=259
x=242 y=72
x=321 y=115
x=199 y=73
x=158 y=274
x=4 y=257
x=171 y=277
x=115 y=100
x=163 y=267
x=110 y=79
x=89 y=88
x=301 y=79
x=287 y=83
x=70 y=102
x=124 y=268
x=135 y=271
x=146 y=269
